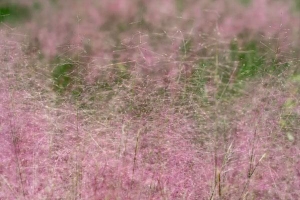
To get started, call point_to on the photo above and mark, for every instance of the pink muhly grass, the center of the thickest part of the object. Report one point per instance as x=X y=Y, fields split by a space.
x=153 y=168
x=269 y=19
x=23 y=148
x=152 y=139
x=260 y=137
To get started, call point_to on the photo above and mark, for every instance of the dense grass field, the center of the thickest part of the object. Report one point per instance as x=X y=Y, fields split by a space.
x=160 y=99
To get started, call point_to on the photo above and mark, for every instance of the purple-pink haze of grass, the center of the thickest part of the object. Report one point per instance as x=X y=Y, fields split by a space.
x=146 y=135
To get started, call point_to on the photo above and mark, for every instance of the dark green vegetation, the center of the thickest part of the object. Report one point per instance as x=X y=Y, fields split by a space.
x=67 y=78
x=13 y=13
x=62 y=76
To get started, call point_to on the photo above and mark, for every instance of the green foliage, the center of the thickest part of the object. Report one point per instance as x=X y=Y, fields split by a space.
x=54 y=1
x=180 y=5
x=297 y=5
x=13 y=13
x=36 y=5
x=251 y=61
x=247 y=60
x=62 y=76
x=68 y=75
x=245 y=2
x=68 y=82
x=257 y=59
